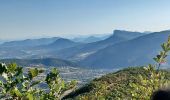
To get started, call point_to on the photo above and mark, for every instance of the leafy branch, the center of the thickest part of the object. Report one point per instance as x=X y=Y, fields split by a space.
x=14 y=84
x=161 y=57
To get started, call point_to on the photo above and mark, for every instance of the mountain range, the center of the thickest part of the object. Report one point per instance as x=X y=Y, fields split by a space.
x=29 y=42
x=135 y=52
x=82 y=51
x=33 y=47
x=121 y=49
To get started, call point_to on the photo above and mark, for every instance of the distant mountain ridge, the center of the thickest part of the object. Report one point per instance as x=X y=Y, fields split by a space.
x=90 y=39
x=122 y=49
x=127 y=34
x=138 y=51
x=82 y=51
x=60 y=43
x=28 y=49
x=87 y=39
x=30 y=42
x=59 y=47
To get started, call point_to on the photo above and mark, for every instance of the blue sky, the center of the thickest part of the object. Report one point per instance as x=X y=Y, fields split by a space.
x=41 y=18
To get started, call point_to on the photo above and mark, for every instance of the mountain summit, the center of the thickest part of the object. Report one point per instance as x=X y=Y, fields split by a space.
x=80 y=52
x=127 y=34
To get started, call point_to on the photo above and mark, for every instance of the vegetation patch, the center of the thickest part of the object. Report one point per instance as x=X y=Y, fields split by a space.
x=118 y=85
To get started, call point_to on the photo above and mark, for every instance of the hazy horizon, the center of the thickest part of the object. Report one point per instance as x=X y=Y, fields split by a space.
x=72 y=36
x=61 y=18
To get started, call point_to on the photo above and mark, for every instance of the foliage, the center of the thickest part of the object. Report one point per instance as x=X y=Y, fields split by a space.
x=15 y=84
x=116 y=86
x=145 y=86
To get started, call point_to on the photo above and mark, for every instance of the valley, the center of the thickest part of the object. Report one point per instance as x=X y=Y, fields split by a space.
x=81 y=75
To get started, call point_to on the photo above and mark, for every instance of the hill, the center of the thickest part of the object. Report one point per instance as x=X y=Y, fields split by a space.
x=46 y=62
x=29 y=42
x=92 y=38
x=58 y=44
x=34 y=48
x=87 y=39
x=135 y=52
x=110 y=86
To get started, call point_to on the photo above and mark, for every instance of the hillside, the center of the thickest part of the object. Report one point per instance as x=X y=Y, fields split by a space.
x=92 y=38
x=110 y=86
x=29 y=42
x=58 y=44
x=135 y=52
x=61 y=47
x=46 y=62
x=87 y=39
x=82 y=51
x=35 y=48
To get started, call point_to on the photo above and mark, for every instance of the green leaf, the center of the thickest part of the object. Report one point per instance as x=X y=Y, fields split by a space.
x=33 y=73
x=12 y=67
x=16 y=92
x=156 y=60
x=63 y=84
x=30 y=96
x=54 y=71
x=164 y=46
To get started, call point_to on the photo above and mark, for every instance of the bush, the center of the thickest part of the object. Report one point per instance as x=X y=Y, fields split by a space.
x=16 y=85
x=145 y=86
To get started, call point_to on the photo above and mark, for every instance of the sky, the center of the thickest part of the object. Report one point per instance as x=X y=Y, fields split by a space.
x=70 y=18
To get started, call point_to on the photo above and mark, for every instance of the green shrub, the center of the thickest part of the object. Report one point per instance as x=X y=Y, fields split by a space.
x=144 y=86
x=16 y=85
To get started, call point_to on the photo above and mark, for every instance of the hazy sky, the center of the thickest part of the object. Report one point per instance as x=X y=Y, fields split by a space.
x=38 y=18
